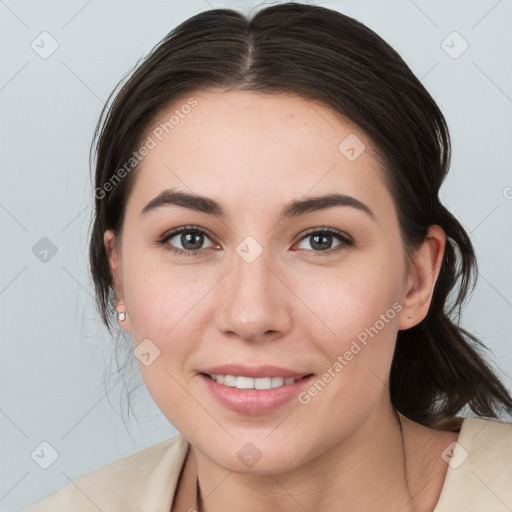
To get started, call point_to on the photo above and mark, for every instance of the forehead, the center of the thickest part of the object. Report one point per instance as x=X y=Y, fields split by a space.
x=257 y=145
x=249 y=118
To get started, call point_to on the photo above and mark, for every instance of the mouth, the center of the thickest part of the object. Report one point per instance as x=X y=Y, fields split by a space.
x=259 y=383
x=253 y=391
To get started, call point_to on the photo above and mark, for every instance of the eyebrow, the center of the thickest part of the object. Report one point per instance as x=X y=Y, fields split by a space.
x=295 y=208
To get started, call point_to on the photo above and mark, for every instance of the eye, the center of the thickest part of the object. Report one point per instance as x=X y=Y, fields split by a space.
x=190 y=238
x=322 y=239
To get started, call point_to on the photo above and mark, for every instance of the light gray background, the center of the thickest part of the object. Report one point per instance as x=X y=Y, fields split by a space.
x=54 y=351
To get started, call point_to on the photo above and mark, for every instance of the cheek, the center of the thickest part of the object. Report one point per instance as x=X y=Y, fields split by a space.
x=172 y=311
x=153 y=292
x=355 y=361
x=160 y=302
x=171 y=305
x=354 y=296
x=360 y=308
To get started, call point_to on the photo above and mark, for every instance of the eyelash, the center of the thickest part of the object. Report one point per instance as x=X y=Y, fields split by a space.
x=345 y=240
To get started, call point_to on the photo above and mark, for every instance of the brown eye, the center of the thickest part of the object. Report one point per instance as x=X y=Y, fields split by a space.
x=325 y=240
x=186 y=241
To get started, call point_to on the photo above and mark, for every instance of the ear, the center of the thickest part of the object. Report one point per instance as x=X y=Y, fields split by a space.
x=111 y=247
x=426 y=265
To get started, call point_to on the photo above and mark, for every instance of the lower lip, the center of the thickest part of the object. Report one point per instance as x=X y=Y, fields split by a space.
x=254 y=401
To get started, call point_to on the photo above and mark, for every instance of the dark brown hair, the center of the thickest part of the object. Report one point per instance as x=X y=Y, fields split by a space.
x=321 y=55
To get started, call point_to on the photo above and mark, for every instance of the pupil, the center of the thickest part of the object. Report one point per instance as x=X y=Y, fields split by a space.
x=317 y=245
x=188 y=238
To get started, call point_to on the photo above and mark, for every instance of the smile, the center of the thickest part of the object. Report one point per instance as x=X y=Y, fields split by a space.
x=242 y=382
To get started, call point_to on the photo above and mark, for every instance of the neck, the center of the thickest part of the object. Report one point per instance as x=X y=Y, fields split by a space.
x=368 y=471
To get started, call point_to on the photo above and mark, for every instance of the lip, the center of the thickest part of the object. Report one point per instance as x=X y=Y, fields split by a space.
x=252 y=401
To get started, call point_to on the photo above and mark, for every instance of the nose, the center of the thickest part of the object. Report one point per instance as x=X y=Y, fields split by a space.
x=254 y=304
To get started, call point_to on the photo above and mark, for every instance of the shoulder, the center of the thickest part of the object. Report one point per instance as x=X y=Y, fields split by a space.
x=145 y=480
x=479 y=475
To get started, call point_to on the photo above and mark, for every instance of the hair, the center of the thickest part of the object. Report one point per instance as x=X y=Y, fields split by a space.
x=323 y=56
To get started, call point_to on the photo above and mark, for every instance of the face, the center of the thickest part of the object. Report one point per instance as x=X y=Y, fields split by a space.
x=313 y=292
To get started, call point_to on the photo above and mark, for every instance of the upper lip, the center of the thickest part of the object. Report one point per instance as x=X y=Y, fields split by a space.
x=254 y=371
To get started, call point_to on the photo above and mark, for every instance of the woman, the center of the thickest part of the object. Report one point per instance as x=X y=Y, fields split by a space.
x=268 y=229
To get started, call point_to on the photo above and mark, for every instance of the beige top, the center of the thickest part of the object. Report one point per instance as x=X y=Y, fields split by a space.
x=478 y=479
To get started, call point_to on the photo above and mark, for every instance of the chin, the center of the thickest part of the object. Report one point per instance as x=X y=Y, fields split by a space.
x=255 y=458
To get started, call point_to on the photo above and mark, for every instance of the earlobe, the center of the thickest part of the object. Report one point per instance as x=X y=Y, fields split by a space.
x=426 y=265
x=111 y=248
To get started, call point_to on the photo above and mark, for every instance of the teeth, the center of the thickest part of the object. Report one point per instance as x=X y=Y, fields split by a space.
x=229 y=380
x=263 y=383
x=277 y=381
x=242 y=382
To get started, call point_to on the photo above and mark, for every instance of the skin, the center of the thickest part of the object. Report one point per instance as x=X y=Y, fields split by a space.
x=295 y=306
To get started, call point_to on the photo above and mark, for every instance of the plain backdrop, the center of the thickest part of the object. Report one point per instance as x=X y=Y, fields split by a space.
x=54 y=352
